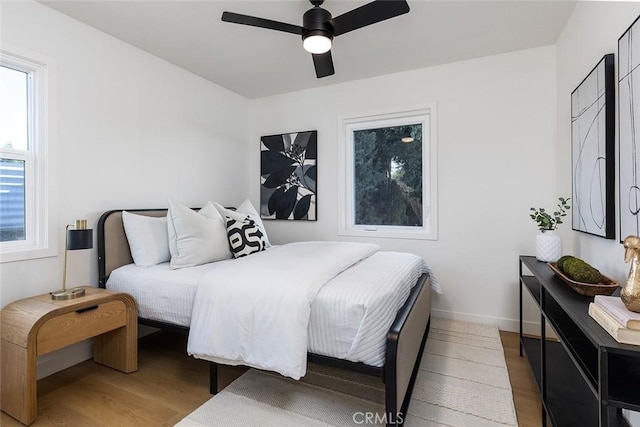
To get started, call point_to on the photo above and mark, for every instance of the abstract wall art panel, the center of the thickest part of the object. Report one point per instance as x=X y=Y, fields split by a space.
x=288 y=175
x=592 y=152
x=629 y=117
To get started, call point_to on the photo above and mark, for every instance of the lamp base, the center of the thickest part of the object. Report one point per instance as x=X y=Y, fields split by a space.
x=67 y=294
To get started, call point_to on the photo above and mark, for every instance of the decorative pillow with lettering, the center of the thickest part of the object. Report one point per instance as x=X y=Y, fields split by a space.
x=244 y=210
x=245 y=237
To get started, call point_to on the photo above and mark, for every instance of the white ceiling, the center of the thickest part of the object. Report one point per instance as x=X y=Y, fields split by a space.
x=256 y=62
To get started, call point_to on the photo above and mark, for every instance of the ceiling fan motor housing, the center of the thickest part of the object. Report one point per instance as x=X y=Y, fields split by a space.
x=317 y=22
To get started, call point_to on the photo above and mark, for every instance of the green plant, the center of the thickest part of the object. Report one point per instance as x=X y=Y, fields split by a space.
x=547 y=221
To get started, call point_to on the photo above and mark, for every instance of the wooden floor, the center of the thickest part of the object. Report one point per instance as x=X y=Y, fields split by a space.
x=169 y=385
x=523 y=385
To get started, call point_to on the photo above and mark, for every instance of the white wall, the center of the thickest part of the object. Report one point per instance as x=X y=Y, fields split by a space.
x=132 y=130
x=591 y=32
x=496 y=159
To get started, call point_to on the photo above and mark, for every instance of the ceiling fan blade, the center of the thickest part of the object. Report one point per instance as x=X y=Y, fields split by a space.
x=368 y=14
x=237 y=18
x=323 y=64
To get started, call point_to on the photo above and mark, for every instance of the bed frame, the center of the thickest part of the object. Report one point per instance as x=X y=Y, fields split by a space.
x=405 y=340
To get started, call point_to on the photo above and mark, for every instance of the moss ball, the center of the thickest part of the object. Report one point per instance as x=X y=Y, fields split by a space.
x=580 y=271
x=562 y=260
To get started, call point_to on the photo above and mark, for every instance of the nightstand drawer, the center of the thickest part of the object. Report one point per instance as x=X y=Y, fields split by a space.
x=70 y=328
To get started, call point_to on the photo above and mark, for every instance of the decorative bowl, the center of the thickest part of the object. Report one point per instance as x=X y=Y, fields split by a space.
x=606 y=287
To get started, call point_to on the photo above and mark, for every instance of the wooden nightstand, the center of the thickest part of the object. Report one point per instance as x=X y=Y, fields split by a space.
x=35 y=326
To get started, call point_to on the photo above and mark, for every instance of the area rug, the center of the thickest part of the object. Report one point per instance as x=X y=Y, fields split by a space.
x=463 y=381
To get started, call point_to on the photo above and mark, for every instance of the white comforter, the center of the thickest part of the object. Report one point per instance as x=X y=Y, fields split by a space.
x=255 y=311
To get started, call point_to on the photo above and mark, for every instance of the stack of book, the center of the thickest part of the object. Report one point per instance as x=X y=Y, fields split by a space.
x=613 y=316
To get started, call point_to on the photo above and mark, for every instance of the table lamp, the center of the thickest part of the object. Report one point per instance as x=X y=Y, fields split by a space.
x=78 y=237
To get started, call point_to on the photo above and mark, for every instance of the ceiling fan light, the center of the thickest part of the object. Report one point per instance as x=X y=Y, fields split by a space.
x=317 y=44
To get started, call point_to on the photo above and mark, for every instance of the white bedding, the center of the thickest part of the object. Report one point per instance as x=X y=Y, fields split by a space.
x=161 y=293
x=256 y=311
x=350 y=315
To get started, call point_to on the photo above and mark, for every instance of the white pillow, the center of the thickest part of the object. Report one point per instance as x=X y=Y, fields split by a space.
x=196 y=238
x=148 y=238
x=246 y=208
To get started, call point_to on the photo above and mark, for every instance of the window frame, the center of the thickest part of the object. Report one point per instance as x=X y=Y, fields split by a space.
x=41 y=237
x=424 y=114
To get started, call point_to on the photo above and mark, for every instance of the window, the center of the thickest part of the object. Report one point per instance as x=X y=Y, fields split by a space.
x=24 y=213
x=388 y=187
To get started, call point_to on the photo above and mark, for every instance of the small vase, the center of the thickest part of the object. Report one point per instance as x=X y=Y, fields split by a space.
x=630 y=294
x=548 y=246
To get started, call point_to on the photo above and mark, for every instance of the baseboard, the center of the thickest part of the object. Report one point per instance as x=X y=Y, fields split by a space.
x=77 y=353
x=144 y=330
x=504 y=324
x=64 y=358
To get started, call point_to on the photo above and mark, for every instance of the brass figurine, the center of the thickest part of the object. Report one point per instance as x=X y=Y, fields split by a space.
x=630 y=294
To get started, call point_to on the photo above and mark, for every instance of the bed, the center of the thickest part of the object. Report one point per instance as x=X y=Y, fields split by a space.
x=402 y=348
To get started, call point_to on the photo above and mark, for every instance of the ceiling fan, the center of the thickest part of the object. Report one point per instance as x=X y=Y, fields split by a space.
x=319 y=28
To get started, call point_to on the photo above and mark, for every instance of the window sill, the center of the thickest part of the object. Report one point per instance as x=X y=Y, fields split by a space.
x=388 y=233
x=25 y=254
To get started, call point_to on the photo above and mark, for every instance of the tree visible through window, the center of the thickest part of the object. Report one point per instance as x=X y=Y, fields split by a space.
x=388 y=176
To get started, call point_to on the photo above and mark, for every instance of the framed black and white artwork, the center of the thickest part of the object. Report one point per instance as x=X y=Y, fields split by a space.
x=629 y=116
x=592 y=151
x=288 y=176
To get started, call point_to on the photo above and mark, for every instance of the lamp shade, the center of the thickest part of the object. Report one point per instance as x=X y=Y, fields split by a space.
x=79 y=239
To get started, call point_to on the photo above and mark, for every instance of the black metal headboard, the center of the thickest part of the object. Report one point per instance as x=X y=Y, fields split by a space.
x=113 y=247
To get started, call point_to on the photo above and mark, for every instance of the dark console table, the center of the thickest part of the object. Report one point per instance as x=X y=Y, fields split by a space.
x=586 y=377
